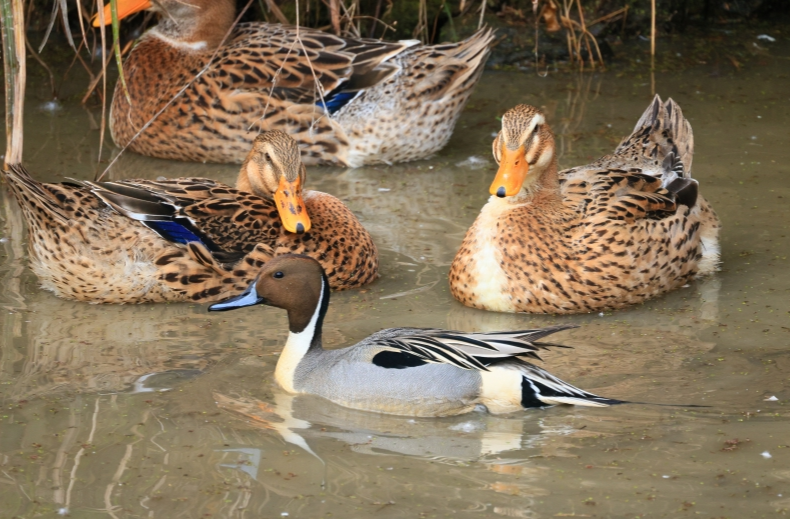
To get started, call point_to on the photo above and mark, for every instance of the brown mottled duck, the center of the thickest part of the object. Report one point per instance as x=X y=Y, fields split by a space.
x=628 y=227
x=188 y=239
x=347 y=101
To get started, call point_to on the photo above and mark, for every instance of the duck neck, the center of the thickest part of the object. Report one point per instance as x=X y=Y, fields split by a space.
x=201 y=28
x=245 y=183
x=543 y=188
x=304 y=336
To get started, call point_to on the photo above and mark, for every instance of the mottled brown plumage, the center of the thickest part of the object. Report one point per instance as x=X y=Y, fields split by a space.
x=189 y=239
x=628 y=227
x=346 y=101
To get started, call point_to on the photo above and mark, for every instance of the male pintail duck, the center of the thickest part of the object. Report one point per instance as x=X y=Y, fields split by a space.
x=404 y=371
x=346 y=101
x=621 y=230
x=188 y=239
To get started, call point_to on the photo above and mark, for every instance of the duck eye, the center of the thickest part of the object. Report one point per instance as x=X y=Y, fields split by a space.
x=537 y=128
x=267 y=157
x=279 y=274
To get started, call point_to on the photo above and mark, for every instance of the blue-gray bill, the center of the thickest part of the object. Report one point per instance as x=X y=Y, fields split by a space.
x=249 y=297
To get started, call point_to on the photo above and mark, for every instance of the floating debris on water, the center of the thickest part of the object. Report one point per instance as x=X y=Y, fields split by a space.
x=473 y=162
x=467 y=427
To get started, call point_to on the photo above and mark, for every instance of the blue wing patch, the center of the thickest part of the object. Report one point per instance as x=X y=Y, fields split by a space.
x=174 y=232
x=336 y=100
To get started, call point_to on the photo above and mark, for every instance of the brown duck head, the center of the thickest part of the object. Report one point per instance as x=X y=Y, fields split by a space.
x=524 y=150
x=274 y=170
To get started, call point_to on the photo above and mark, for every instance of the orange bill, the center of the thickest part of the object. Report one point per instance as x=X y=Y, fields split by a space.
x=125 y=8
x=290 y=205
x=513 y=169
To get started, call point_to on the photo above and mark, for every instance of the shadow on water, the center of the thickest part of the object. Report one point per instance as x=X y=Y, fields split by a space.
x=165 y=410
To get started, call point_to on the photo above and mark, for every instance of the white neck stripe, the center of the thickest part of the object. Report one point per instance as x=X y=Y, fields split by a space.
x=195 y=45
x=296 y=347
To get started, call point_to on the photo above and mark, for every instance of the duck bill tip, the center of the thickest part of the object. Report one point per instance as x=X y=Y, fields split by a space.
x=291 y=207
x=513 y=170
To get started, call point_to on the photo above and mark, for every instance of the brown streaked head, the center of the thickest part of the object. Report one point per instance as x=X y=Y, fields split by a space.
x=293 y=282
x=524 y=148
x=186 y=21
x=274 y=170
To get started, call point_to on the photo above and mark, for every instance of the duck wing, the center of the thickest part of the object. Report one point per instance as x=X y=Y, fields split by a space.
x=648 y=175
x=227 y=222
x=406 y=348
x=297 y=63
x=409 y=347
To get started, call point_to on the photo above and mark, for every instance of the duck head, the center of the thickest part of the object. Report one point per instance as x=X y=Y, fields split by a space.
x=200 y=24
x=294 y=282
x=524 y=150
x=274 y=170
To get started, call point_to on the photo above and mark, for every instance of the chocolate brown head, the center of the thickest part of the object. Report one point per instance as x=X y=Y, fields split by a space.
x=274 y=170
x=293 y=282
x=524 y=149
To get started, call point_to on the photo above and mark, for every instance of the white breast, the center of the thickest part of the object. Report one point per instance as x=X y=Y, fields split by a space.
x=486 y=265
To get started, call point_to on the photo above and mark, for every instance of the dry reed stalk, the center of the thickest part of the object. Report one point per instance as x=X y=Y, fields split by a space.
x=421 y=31
x=43 y=65
x=349 y=17
x=276 y=11
x=103 y=76
x=652 y=33
x=95 y=80
x=575 y=42
x=12 y=27
x=116 y=46
x=613 y=14
x=376 y=14
x=77 y=58
x=334 y=15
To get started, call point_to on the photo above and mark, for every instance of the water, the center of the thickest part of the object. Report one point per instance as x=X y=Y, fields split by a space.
x=168 y=411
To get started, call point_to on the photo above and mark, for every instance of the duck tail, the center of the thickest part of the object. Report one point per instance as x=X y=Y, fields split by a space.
x=474 y=51
x=539 y=388
x=32 y=196
x=662 y=134
x=453 y=68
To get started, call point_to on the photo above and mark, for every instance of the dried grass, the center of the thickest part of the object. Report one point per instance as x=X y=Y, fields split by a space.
x=12 y=28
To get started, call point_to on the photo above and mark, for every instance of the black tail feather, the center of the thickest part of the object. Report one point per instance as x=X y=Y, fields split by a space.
x=685 y=190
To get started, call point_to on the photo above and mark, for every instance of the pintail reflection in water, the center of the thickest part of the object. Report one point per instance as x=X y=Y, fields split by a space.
x=475 y=437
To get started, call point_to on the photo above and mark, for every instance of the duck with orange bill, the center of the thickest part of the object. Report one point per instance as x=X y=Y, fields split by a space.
x=188 y=239
x=207 y=87
x=627 y=227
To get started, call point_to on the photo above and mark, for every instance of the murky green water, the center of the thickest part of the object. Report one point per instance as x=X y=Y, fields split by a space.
x=167 y=411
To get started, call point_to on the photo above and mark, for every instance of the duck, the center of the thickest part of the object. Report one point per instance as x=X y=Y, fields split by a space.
x=347 y=101
x=621 y=230
x=188 y=239
x=403 y=371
